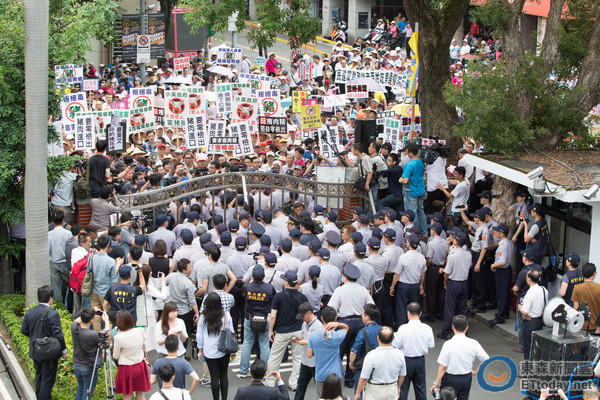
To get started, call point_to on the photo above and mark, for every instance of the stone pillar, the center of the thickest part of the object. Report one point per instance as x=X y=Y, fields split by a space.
x=354 y=8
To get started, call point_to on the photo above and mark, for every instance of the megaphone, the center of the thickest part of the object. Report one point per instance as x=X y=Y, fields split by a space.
x=557 y=313
x=154 y=157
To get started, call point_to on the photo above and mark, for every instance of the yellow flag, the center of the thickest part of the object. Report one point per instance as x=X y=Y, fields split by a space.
x=414 y=45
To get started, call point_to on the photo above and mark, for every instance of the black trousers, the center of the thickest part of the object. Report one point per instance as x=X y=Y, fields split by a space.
x=354 y=325
x=434 y=289
x=218 y=376
x=237 y=310
x=456 y=303
x=379 y=298
x=503 y=276
x=460 y=383
x=388 y=309
x=304 y=377
x=188 y=319
x=535 y=324
x=45 y=376
x=415 y=373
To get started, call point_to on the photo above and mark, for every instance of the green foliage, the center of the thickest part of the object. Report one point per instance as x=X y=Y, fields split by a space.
x=274 y=17
x=491 y=111
x=72 y=25
x=12 y=310
x=492 y=13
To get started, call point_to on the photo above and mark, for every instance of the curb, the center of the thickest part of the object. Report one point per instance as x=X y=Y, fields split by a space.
x=484 y=318
x=19 y=378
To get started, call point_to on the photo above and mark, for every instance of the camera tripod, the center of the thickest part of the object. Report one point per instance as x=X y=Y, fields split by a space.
x=109 y=381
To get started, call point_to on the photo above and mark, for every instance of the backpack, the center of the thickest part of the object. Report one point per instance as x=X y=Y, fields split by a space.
x=81 y=187
x=78 y=273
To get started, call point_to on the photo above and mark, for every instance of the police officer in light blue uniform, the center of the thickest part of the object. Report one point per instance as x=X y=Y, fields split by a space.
x=479 y=248
x=336 y=257
x=457 y=289
x=409 y=278
x=366 y=278
x=502 y=270
x=287 y=262
x=437 y=251
x=391 y=254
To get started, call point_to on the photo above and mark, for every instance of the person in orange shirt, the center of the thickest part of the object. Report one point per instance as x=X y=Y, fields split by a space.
x=362 y=113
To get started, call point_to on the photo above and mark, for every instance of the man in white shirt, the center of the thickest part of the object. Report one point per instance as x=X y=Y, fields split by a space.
x=436 y=175
x=465 y=49
x=414 y=339
x=460 y=193
x=456 y=360
x=532 y=308
x=461 y=163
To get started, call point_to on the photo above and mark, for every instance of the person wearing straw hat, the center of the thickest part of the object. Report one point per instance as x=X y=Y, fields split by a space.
x=271 y=65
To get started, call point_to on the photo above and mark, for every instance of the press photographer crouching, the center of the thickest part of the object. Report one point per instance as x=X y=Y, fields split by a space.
x=86 y=342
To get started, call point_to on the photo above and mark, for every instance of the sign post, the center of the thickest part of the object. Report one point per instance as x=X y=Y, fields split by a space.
x=143 y=49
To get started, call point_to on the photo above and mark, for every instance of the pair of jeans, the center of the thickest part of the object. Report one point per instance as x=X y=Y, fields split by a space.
x=249 y=337
x=415 y=204
x=391 y=201
x=304 y=377
x=373 y=189
x=218 y=376
x=84 y=377
x=59 y=278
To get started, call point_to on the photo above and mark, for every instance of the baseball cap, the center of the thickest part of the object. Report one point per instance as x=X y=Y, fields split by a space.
x=436 y=226
x=210 y=244
x=537 y=207
x=380 y=215
x=358 y=211
x=266 y=216
x=286 y=244
x=416 y=230
x=244 y=215
x=221 y=228
x=319 y=209
x=290 y=276
x=125 y=270
x=363 y=219
x=264 y=250
x=479 y=214
x=193 y=215
x=390 y=234
x=295 y=233
x=356 y=237
x=140 y=240
x=374 y=243
x=360 y=249
x=233 y=225
x=460 y=236
x=486 y=193
x=240 y=242
x=573 y=258
x=270 y=259
x=218 y=219
x=314 y=270
x=377 y=232
x=187 y=236
x=413 y=240
x=332 y=216
x=333 y=238
x=205 y=238
x=226 y=238
x=501 y=228
x=161 y=219
x=265 y=240
x=409 y=213
x=521 y=192
x=314 y=246
x=391 y=214
x=258 y=272
x=324 y=253
x=303 y=309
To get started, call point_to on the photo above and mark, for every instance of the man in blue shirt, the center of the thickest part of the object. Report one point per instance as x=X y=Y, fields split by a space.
x=369 y=316
x=324 y=345
x=414 y=194
x=393 y=173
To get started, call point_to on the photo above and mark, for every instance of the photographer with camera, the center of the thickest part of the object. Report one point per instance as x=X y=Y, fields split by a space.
x=459 y=195
x=104 y=207
x=85 y=345
x=436 y=175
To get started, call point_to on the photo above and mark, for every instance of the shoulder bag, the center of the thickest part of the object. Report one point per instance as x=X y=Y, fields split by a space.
x=88 y=279
x=361 y=181
x=45 y=348
x=227 y=342
x=358 y=363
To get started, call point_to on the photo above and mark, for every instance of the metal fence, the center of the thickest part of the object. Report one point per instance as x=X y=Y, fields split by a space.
x=340 y=196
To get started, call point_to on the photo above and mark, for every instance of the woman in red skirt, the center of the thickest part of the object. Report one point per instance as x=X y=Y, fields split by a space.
x=129 y=351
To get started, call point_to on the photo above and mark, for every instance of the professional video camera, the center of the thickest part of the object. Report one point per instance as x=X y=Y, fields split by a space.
x=170 y=181
x=430 y=154
x=104 y=336
x=201 y=172
x=142 y=223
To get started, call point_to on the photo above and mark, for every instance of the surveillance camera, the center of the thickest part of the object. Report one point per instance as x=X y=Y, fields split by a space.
x=536 y=173
x=591 y=192
x=151 y=6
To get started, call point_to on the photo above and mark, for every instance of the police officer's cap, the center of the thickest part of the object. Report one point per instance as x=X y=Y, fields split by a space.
x=360 y=249
x=244 y=215
x=314 y=270
x=161 y=219
x=501 y=228
x=374 y=243
x=521 y=193
x=314 y=246
x=436 y=226
x=193 y=215
x=295 y=233
x=221 y=228
x=233 y=225
x=267 y=216
x=270 y=259
x=333 y=238
x=240 y=242
x=537 y=207
x=391 y=214
x=258 y=272
x=226 y=238
x=319 y=209
x=187 y=236
x=257 y=229
x=356 y=237
x=390 y=234
x=413 y=240
x=332 y=216
x=415 y=229
x=286 y=245
x=205 y=238
x=573 y=258
x=485 y=194
x=479 y=214
x=218 y=219
x=351 y=271
x=363 y=219
x=265 y=240
x=409 y=213
x=358 y=211
x=324 y=253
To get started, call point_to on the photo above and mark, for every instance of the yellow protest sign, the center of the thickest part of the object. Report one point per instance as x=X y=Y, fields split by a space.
x=297 y=96
x=414 y=45
x=311 y=117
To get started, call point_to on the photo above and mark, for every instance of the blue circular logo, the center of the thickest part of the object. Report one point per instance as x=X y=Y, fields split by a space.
x=497 y=374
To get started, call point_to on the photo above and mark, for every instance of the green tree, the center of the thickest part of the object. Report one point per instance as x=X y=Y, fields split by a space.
x=512 y=104
x=71 y=26
x=438 y=21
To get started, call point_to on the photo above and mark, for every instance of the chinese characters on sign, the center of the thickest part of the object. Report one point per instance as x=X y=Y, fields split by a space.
x=357 y=91
x=196 y=131
x=227 y=55
x=175 y=108
x=84 y=131
x=274 y=125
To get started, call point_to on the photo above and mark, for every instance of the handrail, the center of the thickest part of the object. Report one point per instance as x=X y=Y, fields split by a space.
x=307 y=190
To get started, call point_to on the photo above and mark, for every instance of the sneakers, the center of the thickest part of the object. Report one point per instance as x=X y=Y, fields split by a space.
x=242 y=376
x=205 y=383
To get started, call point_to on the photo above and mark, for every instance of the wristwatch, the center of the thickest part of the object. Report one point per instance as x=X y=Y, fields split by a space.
x=436 y=384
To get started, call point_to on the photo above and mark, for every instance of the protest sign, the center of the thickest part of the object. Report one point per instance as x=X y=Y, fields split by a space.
x=260 y=61
x=176 y=108
x=69 y=73
x=269 y=103
x=224 y=98
x=241 y=131
x=311 y=117
x=141 y=97
x=90 y=85
x=72 y=105
x=391 y=133
x=297 y=96
x=196 y=131
x=84 y=131
x=216 y=129
x=196 y=100
x=115 y=136
x=357 y=91
x=228 y=55
x=140 y=119
x=381 y=116
x=181 y=63
x=272 y=125
x=245 y=110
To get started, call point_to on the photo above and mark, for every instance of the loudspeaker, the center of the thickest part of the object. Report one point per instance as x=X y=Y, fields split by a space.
x=180 y=39
x=365 y=132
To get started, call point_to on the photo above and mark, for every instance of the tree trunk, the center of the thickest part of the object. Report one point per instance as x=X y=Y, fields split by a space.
x=588 y=82
x=36 y=138
x=436 y=29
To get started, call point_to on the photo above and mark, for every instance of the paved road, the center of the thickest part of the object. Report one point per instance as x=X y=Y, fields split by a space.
x=492 y=341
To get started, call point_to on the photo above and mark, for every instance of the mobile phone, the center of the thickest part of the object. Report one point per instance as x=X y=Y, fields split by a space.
x=496 y=196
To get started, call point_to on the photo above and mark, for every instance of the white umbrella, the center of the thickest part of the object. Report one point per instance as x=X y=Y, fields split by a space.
x=372 y=84
x=219 y=70
x=178 y=80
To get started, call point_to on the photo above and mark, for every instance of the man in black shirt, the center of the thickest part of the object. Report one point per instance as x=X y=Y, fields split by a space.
x=393 y=173
x=122 y=296
x=85 y=345
x=99 y=169
x=284 y=326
